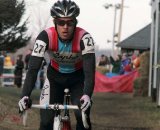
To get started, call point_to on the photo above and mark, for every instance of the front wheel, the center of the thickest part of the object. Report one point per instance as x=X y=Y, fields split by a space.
x=57 y=123
x=66 y=125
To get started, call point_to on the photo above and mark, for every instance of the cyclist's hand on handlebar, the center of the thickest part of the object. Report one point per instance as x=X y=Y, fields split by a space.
x=86 y=102
x=24 y=104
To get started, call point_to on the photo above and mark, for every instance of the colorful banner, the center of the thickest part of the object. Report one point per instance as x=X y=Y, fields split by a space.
x=116 y=84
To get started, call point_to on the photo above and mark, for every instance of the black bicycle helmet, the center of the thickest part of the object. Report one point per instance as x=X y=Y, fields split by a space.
x=65 y=8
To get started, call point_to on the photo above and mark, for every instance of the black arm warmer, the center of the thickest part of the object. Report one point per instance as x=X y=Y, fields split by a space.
x=89 y=73
x=34 y=66
x=31 y=76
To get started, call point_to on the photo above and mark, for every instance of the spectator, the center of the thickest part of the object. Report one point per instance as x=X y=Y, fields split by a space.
x=105 y=63
x=103 y=60
x=8 y=61
x=116 y=63
x=125 y=64
x=27 y=59
x=136 y=62
x=135 y=59
x=18 y=71
x=1 y=67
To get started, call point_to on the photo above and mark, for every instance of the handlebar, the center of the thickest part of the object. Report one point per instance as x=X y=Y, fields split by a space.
x=62 y=107
x=55 y=106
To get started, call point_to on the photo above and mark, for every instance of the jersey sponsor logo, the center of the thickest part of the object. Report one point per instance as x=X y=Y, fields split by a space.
x=88 y=44
x=39 y=48
x=66 y=58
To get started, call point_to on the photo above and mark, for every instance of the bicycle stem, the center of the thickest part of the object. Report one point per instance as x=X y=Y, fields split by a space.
x=66 y=101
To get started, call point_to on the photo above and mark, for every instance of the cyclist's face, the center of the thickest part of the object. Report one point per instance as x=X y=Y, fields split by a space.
x=65 y=27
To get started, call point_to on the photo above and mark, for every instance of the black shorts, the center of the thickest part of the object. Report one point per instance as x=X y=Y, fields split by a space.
x=56 y=82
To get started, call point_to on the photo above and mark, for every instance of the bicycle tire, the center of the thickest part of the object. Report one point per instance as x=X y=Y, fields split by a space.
x=66 y=125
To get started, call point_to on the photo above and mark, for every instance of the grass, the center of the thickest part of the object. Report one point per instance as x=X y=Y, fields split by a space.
x=109 y=112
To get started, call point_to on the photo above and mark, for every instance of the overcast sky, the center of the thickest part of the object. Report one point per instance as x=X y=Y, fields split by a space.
x=94 y=18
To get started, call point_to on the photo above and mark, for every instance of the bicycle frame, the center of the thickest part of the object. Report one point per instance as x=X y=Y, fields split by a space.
x=62 y=122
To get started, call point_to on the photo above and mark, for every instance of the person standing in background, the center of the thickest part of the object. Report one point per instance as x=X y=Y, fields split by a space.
x=135 y=59
x=116 y=63
x=27 y=57
x=1 y=67
x=125 y=64
x=19 y=66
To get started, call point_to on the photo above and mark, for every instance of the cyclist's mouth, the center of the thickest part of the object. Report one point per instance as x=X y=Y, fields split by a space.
x=65 y=33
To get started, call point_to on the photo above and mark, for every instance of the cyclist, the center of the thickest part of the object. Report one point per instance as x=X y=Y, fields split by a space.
x=72 y=64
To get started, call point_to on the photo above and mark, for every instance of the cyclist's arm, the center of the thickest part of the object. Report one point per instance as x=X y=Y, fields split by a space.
x=88 y=55
x=35 y=62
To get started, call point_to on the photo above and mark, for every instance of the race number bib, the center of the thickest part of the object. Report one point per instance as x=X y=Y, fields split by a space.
x=39 y=48
x=88 y=44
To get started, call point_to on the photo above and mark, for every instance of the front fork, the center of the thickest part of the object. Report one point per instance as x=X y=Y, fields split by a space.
x=63 y=122
x=66 y=125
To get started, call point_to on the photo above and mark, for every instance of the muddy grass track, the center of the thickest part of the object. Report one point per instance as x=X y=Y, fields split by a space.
x=109 y=112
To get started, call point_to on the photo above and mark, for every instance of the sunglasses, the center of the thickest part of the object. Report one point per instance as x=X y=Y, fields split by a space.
x=63 y=22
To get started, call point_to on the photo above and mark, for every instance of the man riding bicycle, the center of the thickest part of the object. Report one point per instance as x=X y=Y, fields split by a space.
x=72 y=65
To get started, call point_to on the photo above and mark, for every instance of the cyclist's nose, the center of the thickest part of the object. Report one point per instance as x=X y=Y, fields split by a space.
x=65 y=26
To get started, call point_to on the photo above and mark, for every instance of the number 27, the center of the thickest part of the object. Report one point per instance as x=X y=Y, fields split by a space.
x=90 y=41
x=38 y=48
